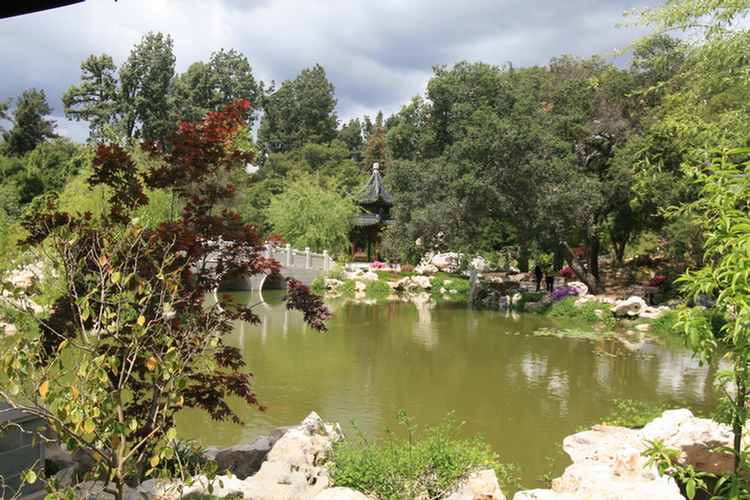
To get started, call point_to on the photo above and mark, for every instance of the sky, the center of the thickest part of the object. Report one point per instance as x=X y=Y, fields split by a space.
x=377 y=54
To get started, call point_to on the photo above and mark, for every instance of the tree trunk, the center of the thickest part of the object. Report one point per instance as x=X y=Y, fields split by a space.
x=523 y=258
x=593 y=244
x=586 y=277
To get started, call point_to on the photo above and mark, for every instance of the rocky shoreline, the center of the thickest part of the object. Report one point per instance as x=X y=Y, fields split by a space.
x=290 y=464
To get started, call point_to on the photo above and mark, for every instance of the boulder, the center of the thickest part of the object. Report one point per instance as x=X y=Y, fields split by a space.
x=480 y=264
x=479 y=485
x=293 y=468
x=243 y=460
x=632 y=306
x=608 y=461
x=422 y=281
x=697 y=439
x=370 y=276
x=332 y=283
x=579 y=285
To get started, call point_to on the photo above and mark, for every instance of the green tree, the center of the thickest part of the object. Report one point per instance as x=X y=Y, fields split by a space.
x=145 y=107
x=30 y=128
x=482 y=151
x=95 y=101
x=299 y=112
x=208 y=87
x=725 y=276
x=308 y=215
x=589 y=108
x=351 y=135
x=377 y=151
x=4 y=107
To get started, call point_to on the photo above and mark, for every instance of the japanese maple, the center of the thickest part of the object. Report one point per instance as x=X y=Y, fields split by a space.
x=129 y=340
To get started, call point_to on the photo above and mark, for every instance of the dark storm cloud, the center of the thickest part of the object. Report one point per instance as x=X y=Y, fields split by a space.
x=378 y=55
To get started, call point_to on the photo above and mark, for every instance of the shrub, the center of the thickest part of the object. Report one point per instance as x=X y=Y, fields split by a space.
x=378 y=287
x=564 y=291
x=567 y=273
x=527 y=297
x=635 y=414
x=660 y=281
x=408 y=268
x=413 y=467
x=566 y=308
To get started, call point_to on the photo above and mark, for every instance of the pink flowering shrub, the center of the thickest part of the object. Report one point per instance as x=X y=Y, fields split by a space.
x=379 y=265
x=567 y=273
x=660 y=281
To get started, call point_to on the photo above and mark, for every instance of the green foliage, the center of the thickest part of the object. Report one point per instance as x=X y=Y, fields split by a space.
x=146 y=81
x=589 y=311
x=378 y=288
x=308 y=215
x=634 y=414
x=527 y=297
x=458 y=282
x=299 y=112
x=393 y=467
x=30 y=127
x=664 y=458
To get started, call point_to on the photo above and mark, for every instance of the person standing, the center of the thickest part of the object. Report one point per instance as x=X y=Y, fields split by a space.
x=538 y=274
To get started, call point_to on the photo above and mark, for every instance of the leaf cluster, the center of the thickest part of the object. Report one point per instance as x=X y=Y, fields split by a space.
x=429 y=465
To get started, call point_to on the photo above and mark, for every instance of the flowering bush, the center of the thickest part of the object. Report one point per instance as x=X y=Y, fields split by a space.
x=564 y=291
x=660 y=281
x=379 y=265
x=567 y=273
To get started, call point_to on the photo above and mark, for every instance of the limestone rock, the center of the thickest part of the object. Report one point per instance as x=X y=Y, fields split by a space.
x=243 y=460
x=579 y=285
x=632 y=306
x=370 y=276
x=480 y=264
x=696 y=438
x=332 y=283
x=607 y=461
x=480 y=485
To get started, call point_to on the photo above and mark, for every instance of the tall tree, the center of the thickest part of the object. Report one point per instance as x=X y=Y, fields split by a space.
x=377 y=151
x=4 y=107
x=207 y=87
x=30 y=127
x=95 y=101
x=146 y=81
x=299 y=112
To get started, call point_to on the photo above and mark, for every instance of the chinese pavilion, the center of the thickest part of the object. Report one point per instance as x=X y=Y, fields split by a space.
x=375 y=203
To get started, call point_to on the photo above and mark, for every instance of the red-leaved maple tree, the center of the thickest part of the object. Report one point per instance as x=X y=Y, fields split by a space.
x=129 y=340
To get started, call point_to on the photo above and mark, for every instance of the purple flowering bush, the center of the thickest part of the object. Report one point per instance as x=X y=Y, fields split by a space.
x=564 y=291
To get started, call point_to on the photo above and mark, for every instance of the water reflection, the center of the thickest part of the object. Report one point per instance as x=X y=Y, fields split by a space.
x=521 y=392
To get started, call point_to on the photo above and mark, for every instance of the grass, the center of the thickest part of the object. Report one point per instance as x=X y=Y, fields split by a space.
x=425 y=466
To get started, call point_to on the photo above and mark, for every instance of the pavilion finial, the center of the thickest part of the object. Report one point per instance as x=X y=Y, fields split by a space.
x=376 y=166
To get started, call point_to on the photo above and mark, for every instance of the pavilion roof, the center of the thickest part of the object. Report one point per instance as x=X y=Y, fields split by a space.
x=374 y=190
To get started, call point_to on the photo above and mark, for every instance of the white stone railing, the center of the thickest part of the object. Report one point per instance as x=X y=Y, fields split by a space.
x=288 y=256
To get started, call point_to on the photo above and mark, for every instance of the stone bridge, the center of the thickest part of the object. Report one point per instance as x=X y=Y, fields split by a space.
x=302 y=265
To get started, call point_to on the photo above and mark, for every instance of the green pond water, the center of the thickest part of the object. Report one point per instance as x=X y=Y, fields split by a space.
x=522 y=393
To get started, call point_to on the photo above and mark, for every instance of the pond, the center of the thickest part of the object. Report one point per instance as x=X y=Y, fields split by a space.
x=521 y=392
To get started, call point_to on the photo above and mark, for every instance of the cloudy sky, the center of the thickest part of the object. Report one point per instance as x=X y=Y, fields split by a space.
x=378 y=54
